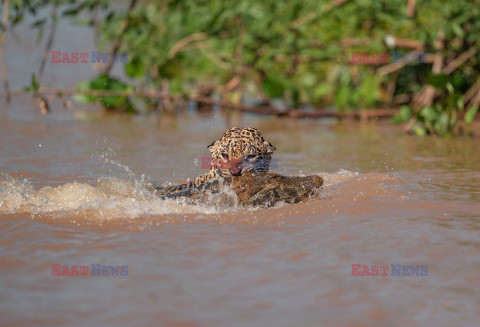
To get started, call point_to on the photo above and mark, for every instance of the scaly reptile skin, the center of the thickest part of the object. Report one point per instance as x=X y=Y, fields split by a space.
x=259 y=189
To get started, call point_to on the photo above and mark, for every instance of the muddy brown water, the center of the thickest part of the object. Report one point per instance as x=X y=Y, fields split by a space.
x=72 y=194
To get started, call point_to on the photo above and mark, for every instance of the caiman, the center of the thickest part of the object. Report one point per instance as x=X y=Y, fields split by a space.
x=255 y=189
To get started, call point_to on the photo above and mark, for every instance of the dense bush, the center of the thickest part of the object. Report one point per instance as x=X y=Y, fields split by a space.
x=297 y=51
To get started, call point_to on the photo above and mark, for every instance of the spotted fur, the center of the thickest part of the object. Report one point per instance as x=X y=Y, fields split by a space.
x=238 y=151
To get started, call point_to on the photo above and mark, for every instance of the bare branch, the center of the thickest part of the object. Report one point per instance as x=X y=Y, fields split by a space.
x=118 y=43
x=186 y=40
x=49 y=44
x=268 y=110
x=411 y=8
x=459 y=61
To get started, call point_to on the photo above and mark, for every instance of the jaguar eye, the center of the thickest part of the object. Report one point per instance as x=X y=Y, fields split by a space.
x=251 y=156
x=225 y=155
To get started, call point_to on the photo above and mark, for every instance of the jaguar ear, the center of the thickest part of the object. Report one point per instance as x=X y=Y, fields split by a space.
x=269 y=146
x=211 y=146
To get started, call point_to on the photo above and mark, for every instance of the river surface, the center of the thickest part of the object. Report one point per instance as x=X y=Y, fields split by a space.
x=72 y=193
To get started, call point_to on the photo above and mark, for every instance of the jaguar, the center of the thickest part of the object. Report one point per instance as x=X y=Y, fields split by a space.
x=238 y=151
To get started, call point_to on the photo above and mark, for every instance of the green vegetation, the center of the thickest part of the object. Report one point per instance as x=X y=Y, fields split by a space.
x=299 y=52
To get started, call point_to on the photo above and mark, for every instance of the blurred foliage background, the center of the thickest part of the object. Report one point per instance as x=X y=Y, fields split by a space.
x=283 y=54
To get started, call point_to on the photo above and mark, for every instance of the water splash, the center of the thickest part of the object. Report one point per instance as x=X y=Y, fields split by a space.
x=111 y=198
x=108 y=198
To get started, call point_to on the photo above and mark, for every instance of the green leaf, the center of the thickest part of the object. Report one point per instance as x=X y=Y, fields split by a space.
x=322 y=90
x=274 y=85
x=135 y=68
x=429 y=113
x=176 y=85
x=35 y=86
x=106 y=83
x=342 y=96
x=419 y=130
x=100 y=83
x=459 y=103
x=295 y=96
x=80 y=98
x=458 y=30
x=403 y=116
x=450 y=88
x=369 y=91
x=470 y=114
x=439 y=81
x=442 y=124
x=308 y=80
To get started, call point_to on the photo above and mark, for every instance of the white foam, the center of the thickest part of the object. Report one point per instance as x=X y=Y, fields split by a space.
x=111 y=198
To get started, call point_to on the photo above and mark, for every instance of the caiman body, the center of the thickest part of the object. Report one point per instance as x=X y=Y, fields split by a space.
x=256 y=189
